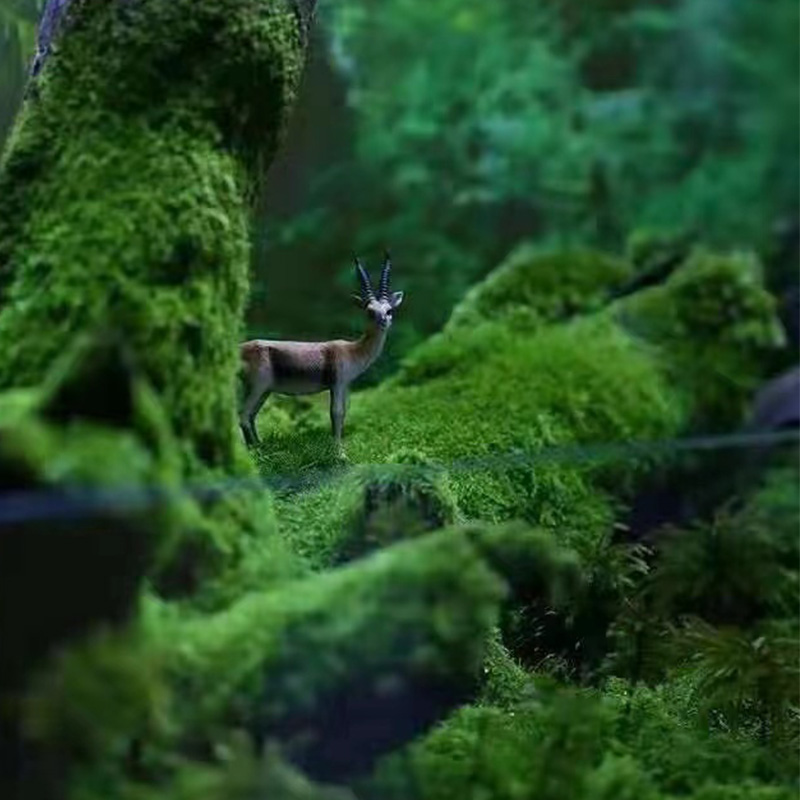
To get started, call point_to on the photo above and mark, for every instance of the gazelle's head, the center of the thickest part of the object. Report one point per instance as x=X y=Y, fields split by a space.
x=380 y=308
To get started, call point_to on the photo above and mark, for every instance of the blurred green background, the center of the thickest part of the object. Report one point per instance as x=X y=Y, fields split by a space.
x=451 y=131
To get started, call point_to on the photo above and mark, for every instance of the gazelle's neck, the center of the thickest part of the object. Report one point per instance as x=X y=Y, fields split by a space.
x=369 y=346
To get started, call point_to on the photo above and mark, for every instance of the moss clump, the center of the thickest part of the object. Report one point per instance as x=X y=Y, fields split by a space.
x=650 y=366
x=383 y=647
x=124 y=196
x=534 y=287
x=641 y=369
x=558 y=743
x=715 y=323
x=572 y=384
x=368 y=508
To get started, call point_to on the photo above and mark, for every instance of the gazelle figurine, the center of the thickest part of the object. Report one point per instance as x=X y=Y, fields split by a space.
x=311 y=367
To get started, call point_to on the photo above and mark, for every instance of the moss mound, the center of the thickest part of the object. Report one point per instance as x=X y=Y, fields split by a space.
x=717 y=331
x=124 y=220
x=483 y=402
x=533 y=287
x=390 y=643
x=559 y=743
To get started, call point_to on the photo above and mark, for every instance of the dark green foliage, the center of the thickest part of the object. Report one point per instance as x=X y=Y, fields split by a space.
x=560 y=743
x=740 y=566
x=746 y=680
x=719 y=611
x=565 y=123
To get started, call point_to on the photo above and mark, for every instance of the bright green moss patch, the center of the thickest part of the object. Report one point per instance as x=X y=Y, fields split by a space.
x=122 y=197
x=574 y=384
x=490 y=391
x=541 y=287
x=124 y=218
x=370 y=508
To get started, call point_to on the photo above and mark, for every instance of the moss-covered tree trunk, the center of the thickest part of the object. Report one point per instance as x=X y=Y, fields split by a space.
x=123 y=197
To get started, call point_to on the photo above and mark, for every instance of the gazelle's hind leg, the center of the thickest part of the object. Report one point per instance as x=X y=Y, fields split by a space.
x=252 y=405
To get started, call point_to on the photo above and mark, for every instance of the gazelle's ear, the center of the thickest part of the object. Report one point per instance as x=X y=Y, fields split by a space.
x=358 y=300
x=397 y=298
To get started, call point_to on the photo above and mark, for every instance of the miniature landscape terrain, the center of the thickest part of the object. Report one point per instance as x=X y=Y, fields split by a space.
x=521 y=581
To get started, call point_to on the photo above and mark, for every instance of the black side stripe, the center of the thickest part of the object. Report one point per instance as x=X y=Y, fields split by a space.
x=328 y=367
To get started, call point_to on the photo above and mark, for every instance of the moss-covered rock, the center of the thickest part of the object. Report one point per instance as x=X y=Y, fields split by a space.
x=487 y=419
x=533 y=287
x=622 y=374
x=381 y=649
x=715 y=324
x=123 y=196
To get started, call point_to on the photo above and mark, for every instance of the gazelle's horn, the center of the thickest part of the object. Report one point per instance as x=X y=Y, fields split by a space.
x=366 y=287
x=383 y=291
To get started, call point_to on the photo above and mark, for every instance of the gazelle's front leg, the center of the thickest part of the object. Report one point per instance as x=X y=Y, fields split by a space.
x=338 y=410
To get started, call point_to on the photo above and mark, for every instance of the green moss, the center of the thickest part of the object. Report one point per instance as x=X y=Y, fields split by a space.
x=124 y=205
x=370 y=508
x=715 y=323
x=560 y=743
x=398 y=637
x=533 y=287
x=573 y=384
x=505 y=682
x=127 y=213
x=649 y=367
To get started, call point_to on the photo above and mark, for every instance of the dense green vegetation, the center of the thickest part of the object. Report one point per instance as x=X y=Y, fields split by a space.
x=492 y=597
x=568 y=123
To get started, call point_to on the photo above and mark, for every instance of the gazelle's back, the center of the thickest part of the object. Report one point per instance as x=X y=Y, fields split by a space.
x=292 y=367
